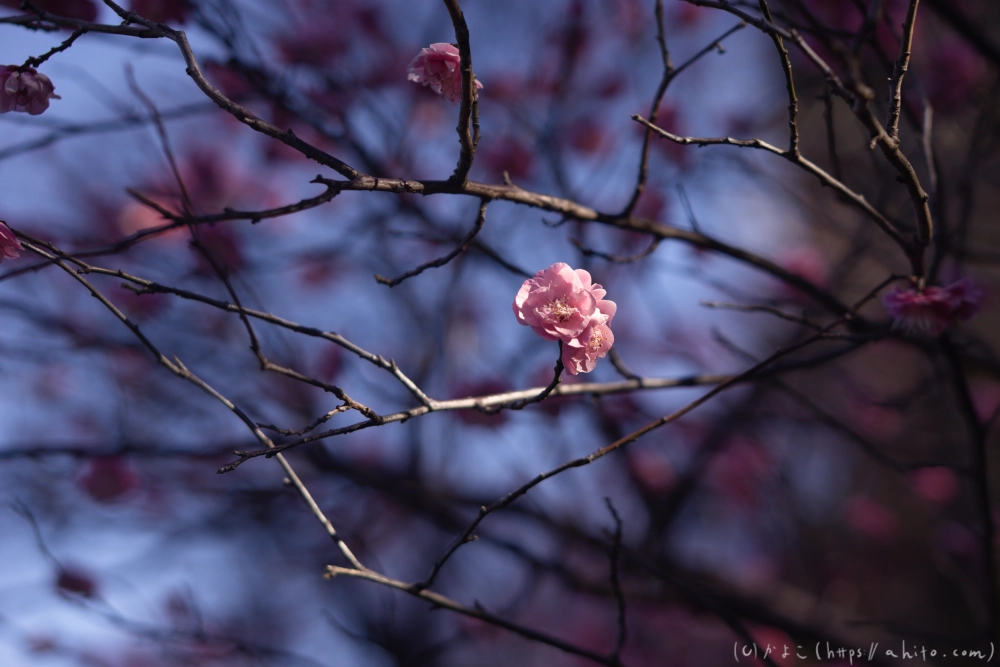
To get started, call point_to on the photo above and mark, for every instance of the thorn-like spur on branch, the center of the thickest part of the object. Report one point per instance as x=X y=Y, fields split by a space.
x=824 y=178
x=441 y=261
x=469 y=107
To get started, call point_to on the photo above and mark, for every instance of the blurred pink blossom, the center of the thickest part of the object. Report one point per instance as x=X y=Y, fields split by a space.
x=82 y=10
x=481 y=387
x=25 y=90
x=585 y=135
x=439 y=66
x=107 y=478
x=871 y=518
x=951 y=74
x=985 y=398
x=507 y=153
x=75 y=582
x=932 y=310
x=560 y=303
x=162 y=11
x=9 y=245
x=737 y=473
x=956 y=538
x=806 y=262
x=936 y=485
x=653 y=472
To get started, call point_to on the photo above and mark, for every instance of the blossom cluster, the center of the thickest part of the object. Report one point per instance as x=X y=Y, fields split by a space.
x=930 y=311
x=25 y=89
x=439 y=66
x=560 y=303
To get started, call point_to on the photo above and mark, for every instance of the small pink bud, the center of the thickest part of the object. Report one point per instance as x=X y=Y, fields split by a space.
x=25 y=90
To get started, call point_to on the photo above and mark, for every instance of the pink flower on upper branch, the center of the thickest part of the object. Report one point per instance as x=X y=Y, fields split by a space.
x=162 y=11
x=439 y=66
x=563 y=304
x=9 y=245
x=932 y=310
x=25 y=90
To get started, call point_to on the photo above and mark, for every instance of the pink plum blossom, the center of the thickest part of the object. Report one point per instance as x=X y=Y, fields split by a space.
x=932 y=310
x=9 y=245
x=560 y=303
x=557 y=302
x=439 y=66
x=25 y=89
x=580 y=354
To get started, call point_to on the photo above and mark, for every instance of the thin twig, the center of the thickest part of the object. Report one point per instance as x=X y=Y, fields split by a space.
x=824 y=178
x=614 y=552
x=669 y=74
x=541 y=396
x=469 y=107
x=899 y=71
x=441 y=261
x=179 y=369
x=477 y=612
x=786 y=67
x=760 y=308
x=617 y=259
x=68 y=42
